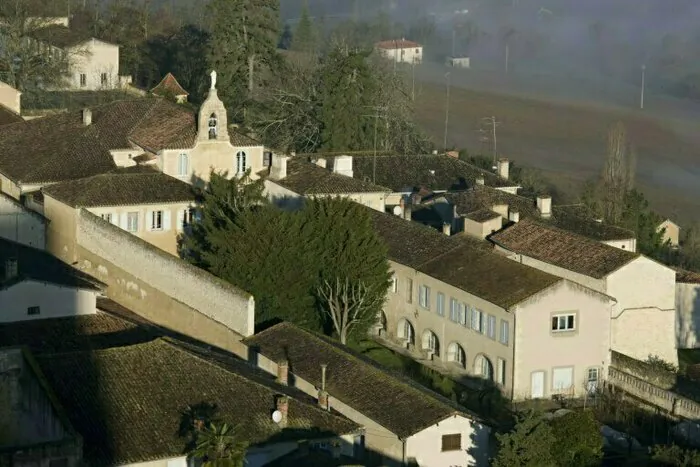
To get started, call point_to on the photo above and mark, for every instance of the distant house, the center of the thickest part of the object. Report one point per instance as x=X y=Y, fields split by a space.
x=169 y=87
x=671 y=232
x=141 y=200
x=459 y=62
x=643 y=318
x=21 y=224
x=35 y=285
x=403 y=421
x=290 y=178
x=400 y=51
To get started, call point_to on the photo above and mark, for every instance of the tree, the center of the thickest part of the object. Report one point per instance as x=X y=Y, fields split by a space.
x=617 y=178
x=529 y=444
x=675 y=456
x=305 y=35
x=244 y=36
x=578 y=440
x=217 y=446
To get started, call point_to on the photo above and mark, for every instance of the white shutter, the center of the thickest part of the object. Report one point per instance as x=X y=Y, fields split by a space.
x=166 y=220
x=124 y=221
x=180 y=219
x=115 y=218
x=149 y=220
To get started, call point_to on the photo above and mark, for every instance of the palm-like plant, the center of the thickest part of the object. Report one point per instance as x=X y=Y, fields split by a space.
x=217 y=446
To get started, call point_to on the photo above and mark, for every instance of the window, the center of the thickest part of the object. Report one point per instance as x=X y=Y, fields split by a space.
x=466 y=318
x=33 y=310
x=491 y=327
x=417 y=51
x=424 y=296
x=132 y=222
x=441 y=304
x=592 y=379
x=157 y=220
x=409 y=290
x=240 y=162
x=213 y=122
x=562 y=379
x=477 y=320
x=394 y=284
x=505 y=331
x=103 y=79
x=267 y=159
x=563 y=323
x=183 y=164
x=452 y=442
x=454 y=310
x=107 y=217
x=83 y=80
x=500 y=371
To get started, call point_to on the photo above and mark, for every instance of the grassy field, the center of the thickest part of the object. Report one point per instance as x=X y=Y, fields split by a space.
x=568 y=140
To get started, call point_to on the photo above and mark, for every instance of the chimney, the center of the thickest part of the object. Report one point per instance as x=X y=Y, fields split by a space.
x=87 y=117
x=435 y=153
x=503 y=168
x=11 y=269
x=278 y=169
x=282 y=405
x=283 y=372
x=544 y=206
x=342 y=165
x=480 y=181
x=322 y=394
x=321 y=162
x=447 y=229
x=514 y=216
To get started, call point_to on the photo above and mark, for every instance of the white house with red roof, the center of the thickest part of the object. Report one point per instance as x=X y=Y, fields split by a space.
x=401 y=51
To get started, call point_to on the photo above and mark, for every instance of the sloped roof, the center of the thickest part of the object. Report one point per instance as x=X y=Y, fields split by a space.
x=482 y=215
x=435 y=172
x=306 y=178
x=397 y=44
x=391 y=400
x=169 y=86
x=40 y=266
x=468 y=264
x=147 y=186
x=562 y=248
x=127 y=402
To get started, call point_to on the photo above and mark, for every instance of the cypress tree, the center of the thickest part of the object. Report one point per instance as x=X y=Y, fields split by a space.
x=305 y=34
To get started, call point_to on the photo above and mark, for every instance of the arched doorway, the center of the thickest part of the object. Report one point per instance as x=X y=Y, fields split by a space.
x=405 y=331
x=457 y=355
x=430 y=342
x=483 y=367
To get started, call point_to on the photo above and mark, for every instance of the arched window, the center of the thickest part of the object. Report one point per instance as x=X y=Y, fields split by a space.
x=457 y=355
x=431 y=342
x=483 y=367
x=213 y=123
x=405 y=331
x=240 y=162
x=183 y=164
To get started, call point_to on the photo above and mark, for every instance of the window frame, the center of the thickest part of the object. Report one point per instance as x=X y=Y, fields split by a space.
x=491 y=322
x=132 y=226
x=424 y=296
x=183 y=164
x=33 y=310
x=478 y=319
x=104 y=79
x=454 y=310
x=569 y=322
x=82 y=79
x=409 y=290
x=394 y=284
x=440 y=306
x=157 y=217
x=241 y=162
x=107 y=217
x=504 y=333
x=451 y=442
x=500 y=371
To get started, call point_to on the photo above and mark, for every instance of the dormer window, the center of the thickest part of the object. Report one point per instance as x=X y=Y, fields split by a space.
x=212 y=126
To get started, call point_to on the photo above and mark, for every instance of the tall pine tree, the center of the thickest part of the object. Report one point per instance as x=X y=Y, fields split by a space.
x=305 y=38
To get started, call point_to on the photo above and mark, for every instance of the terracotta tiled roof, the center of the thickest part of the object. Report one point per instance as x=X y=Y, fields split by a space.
x=465 y=263
x=433 y=172
x=562 y=248
x=684 y=276
x=397 y=44
x=306 y=178
x=169 y=86
x=146 y=186
x=38 y=265
x=482 y=215
x=575 y=219
x=239 y=139
x=392 y=401
x=59 y=36
x=485 y=197
x=8 y=116
x=128 y=402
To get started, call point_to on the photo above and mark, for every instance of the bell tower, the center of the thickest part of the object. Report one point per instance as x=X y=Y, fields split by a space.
x=213 y=121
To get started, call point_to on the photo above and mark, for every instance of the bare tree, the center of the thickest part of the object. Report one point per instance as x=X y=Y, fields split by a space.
x=347 y=304
x=618 y=174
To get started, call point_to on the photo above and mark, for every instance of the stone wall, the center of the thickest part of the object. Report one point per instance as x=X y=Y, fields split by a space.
x=159 y=286
x=664 y=389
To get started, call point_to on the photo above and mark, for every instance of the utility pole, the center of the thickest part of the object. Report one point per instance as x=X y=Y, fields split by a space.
x=454 y=34
x=641 y=97
x=447 y=109
x=507 y=56
x=492 y=123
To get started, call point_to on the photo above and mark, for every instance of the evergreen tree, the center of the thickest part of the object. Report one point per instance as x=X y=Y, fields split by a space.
x=579 y=442
x=305 y=35
x=529 y=444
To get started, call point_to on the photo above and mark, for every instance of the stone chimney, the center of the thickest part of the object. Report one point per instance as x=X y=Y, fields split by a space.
x=321 y=162
x=480 y=181
x=447 y=229
x=342 y=165
x=87 y=117
x=282 y=405
x=544 y=206
x=11 y=269
x=514 y=216
x=503 y=168
x=322 y=394
x=283 y=372
x=278 y=168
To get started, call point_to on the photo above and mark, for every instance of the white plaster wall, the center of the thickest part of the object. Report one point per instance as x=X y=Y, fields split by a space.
x=10 y=97
x=207 y=155
x=687 y=315
x=124 y=157
x=409 y=54
x=282 y=196
x=54 y=301
x=426 y=446
x=540 y=349
x=627 y=245
x=645 y=313
x=20 y=225
x=93 y=58
x=180 y=461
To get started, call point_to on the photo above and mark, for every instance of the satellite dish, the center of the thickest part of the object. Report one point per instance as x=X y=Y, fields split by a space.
x=397 y=210
x=276 y=416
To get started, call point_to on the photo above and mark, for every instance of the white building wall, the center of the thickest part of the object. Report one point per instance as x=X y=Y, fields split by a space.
x=645 y=313
x=404 y=55
x=426 y=446
x=687 y=315
x=54 y=301
x=627 y=245
x=93 y=58
x=10 y=97
x=20 y=225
